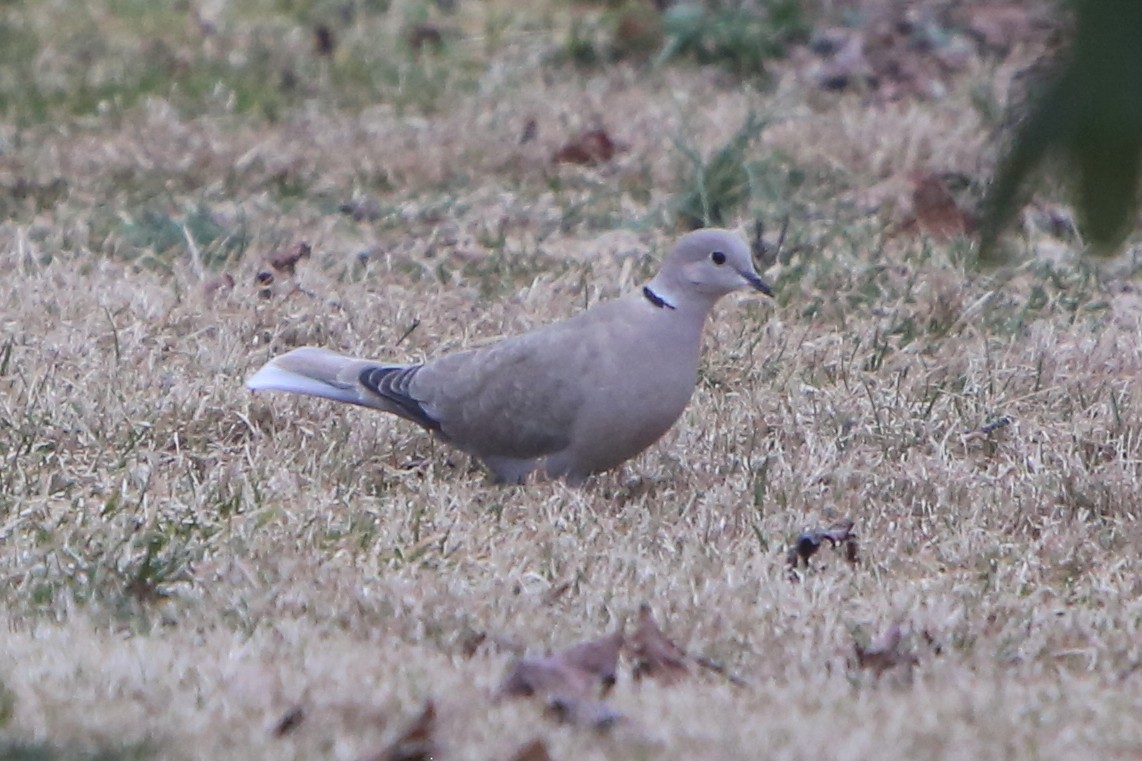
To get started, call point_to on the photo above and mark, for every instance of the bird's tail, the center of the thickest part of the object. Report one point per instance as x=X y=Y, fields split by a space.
x=317 y=372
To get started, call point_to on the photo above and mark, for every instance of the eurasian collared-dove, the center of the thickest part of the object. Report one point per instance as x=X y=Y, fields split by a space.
x=569 y=399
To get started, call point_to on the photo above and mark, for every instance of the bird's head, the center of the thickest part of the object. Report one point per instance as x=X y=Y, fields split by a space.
x=711 y=263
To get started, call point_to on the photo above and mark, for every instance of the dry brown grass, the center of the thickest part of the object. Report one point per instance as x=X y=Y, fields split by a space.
x=184 y=563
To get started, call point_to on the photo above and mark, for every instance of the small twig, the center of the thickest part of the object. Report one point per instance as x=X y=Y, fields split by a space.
x=765 y=254
x=288 y=722
x=996 y=424
x=408 y=332
x=988 y=428
x=720 y=669
x=781 y=238
x=195 y=253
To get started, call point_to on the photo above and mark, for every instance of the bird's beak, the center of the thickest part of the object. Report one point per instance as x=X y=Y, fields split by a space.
x=757 y=283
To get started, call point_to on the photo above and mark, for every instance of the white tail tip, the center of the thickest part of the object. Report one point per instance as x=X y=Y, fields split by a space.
x=271 y=378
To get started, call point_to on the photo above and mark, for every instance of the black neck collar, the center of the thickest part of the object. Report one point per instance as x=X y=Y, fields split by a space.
x=655 y=299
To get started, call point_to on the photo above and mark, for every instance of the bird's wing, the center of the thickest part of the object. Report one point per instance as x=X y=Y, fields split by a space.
x=516 y=398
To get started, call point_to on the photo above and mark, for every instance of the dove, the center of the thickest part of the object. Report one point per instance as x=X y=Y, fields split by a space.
x=566 y=400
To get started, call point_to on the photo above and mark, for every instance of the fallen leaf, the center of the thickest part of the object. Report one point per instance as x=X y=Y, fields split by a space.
x=416 y=742
x=594 y=714
x=599 y=658
x=286 y=261
x=906 y=50
x=839 y=534
x=547 y=675
x=571 y=673
x=654 y=655
x=594 y=146
x=934 y=210
x=884 y=652
x=536 y=750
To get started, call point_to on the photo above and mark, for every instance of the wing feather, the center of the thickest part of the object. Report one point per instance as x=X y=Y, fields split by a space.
x=392 y=383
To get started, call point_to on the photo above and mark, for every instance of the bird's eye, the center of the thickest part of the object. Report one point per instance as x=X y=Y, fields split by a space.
x=718 y=257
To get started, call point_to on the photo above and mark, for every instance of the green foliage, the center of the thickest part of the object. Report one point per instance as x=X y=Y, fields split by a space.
x=1091 y=117
x=124 y=571
x=110 y=55
x=736 y=36
x=153 y=235
x=713 y=189
x=7 y=704
x=46 y=751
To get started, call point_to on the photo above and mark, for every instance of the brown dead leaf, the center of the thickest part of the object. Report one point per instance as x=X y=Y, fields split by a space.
x=599 y=658
x=839 y=534
x=536 y=750
x=594 y=714
x=546 y=675
x=285 y=262
x=905 y=50
x=654 y=655
x=884 y=652
x=935 y=211
x=416 y=742
x=594 y=146
x=571 y=673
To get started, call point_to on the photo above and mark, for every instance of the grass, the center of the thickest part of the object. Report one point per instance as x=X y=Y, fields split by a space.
x=186 y=564
x=258 y=60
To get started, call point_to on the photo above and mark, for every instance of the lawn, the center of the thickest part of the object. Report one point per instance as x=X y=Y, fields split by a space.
x=195 y=572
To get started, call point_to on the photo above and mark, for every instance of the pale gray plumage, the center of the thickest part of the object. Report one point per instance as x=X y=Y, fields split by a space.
x=569 y=399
